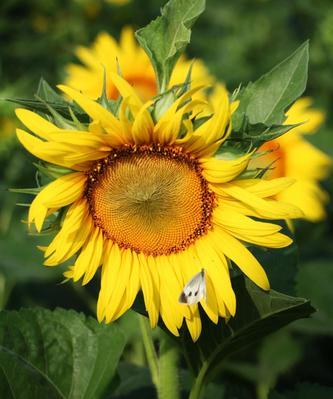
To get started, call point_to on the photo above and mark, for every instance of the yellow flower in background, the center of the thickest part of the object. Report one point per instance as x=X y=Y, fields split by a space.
x=148 y=203
x=118 y=2
x=108 y=55
x=7 y=127
x=293 y=156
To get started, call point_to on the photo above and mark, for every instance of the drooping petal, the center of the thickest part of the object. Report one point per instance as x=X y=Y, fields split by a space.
x=269 y=208
x=94 y=110
x=243 y=258
x=36 y=123
x=90 y=257
x=59 y=193
x=222 y=170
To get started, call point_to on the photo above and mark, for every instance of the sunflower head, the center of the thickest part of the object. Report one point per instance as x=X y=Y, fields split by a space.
x=148 y=196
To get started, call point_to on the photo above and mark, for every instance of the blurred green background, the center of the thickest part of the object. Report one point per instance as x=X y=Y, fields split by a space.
x=239 y=40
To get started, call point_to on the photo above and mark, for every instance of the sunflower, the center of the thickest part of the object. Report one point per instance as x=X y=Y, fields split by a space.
x=106 y=55
x=148 y=203
x=293 y=156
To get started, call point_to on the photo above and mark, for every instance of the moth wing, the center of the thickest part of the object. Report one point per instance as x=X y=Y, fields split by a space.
x=194 y=290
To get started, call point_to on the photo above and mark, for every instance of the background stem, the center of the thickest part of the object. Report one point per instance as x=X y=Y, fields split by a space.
x=169 y=378
x=149 y=349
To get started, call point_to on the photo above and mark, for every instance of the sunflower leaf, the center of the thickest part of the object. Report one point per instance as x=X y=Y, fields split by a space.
x=266 y=100
x=165 y=38
x=56 y=354
x=259 y=313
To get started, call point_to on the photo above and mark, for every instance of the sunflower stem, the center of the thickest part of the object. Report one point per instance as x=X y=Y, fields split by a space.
x=199 y=382
x=169 y=379
x=149 y=349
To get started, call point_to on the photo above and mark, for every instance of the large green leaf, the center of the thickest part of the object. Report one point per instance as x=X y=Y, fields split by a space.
x=265 y=101
x=165 y=38
x=59 y=354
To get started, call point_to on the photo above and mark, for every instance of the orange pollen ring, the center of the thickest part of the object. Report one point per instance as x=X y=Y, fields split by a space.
x=151 y=199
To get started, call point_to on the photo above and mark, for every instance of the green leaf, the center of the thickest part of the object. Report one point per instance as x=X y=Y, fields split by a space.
x=266 y=100
x=259 y=313
x=59 y=354
x=165 y=38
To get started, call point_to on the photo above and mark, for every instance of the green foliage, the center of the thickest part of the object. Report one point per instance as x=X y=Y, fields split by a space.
x=165 y=38
x=277 y=354
x=25 y=264
x=258 y=314
x=59 y=354
x=281 y=266
x=261 y=111
x=266 y=100
x=305 y=391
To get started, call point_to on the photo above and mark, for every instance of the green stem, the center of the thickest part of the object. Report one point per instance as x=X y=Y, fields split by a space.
x=199 y=382
x=169 y=379
x=262 y=390
x=149 y=349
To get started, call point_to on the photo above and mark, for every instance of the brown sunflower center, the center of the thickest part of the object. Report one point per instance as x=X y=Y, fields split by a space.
x=150 y=199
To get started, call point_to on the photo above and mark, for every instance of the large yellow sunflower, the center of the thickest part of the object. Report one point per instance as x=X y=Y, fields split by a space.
x=147 y=202
x=106 y=55
x=292 y=155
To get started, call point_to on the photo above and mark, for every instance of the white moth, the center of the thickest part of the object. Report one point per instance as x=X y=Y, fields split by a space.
x=194 y=290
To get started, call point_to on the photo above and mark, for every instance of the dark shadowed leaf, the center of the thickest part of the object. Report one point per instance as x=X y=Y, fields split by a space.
x=314 y=280
x=305 y=391
x=25 y=264
x=259 y=313
x=280 y=266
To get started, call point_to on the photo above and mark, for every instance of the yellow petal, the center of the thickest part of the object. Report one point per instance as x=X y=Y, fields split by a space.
x=243 y=258
x=265 y=208
x=36 y=123
x=94 y=110
x=222 y=170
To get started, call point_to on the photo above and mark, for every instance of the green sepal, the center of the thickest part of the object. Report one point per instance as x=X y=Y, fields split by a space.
x=165 y=38
x=51 y=171
x=256 y=135
x=32 y=191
